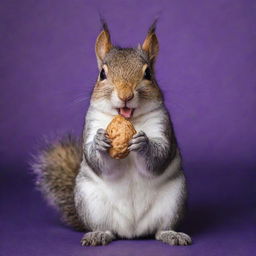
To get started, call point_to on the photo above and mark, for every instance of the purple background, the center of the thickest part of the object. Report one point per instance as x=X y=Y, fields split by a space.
x=207 y=70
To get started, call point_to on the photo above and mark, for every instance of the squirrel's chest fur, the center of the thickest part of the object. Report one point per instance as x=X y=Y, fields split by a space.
x=129 y=203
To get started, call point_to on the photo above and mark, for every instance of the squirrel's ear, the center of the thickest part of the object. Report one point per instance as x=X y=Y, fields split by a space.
x=103 y=45
x=150 y=44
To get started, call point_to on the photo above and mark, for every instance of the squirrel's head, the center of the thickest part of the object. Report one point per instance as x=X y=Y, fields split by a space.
x=126 y=83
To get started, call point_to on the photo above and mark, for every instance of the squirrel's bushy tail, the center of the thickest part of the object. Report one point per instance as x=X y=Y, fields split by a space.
x=56 y=167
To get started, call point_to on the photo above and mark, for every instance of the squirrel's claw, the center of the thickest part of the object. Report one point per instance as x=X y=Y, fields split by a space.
x=138 y=142
x=102 y=143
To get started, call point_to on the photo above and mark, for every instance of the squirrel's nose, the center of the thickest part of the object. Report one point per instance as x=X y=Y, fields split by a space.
x=130 y=97
x=126 y=97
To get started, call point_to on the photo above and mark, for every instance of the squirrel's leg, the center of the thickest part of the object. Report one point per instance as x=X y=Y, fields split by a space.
x=173 y=238
x=97 y=155
x=95 y=238
x=153 y=153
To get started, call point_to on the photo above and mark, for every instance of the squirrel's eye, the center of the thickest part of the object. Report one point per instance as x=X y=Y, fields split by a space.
x=102 y=75
x=147 y=74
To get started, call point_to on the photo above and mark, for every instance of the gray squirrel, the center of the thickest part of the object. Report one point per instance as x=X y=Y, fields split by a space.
x=140 y=195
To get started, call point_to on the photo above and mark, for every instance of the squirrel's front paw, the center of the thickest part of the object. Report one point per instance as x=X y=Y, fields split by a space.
x=101 y=141
x=139 y=142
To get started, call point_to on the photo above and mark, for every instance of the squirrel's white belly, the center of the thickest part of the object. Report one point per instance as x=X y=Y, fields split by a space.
x=132 y=205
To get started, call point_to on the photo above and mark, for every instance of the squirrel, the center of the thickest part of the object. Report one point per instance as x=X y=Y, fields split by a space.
x=141 y=195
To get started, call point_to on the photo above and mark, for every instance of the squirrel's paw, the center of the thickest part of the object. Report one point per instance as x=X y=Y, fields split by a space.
x=173 y=238
x=101 y=141
x=139 y=142
x=97 y=238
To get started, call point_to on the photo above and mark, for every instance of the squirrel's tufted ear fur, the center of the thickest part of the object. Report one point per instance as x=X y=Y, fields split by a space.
x=103 y=45
x=150 y=44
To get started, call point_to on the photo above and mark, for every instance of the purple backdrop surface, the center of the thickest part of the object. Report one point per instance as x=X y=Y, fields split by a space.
x=207 y=70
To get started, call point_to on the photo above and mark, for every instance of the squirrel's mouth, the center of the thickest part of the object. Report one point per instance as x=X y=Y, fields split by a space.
x=126 y=112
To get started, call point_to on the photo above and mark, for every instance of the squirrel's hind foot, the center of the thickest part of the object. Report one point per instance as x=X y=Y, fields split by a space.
x=173 y=238
x=97 y=238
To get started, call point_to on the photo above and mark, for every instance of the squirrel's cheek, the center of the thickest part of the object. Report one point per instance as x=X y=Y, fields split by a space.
x=115 y=99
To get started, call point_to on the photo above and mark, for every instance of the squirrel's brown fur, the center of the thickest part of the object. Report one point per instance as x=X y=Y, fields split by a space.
x=56 y=167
